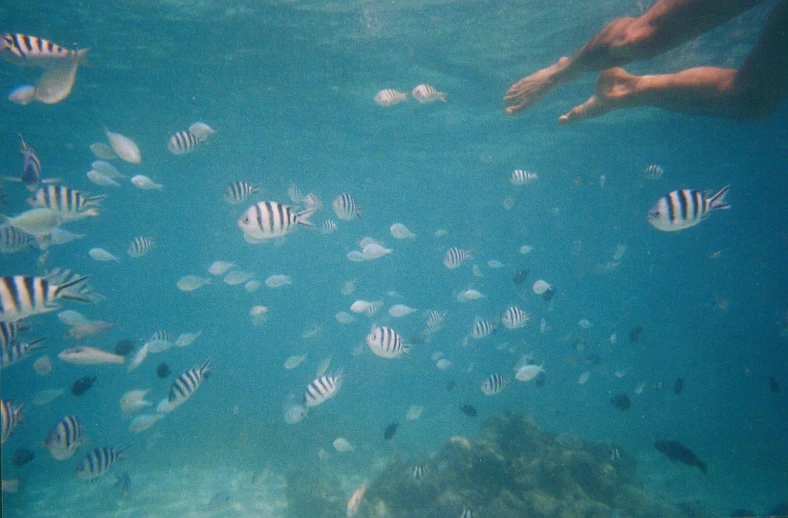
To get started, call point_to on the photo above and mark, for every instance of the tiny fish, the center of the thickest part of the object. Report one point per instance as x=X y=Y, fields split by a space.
x=400 y=231
x=294 y=361
x=323 y=388
x=201 y=130
x=521 y=177
x=468 y=410
x=634 y=333
x=345 y=207
x=89 y=329
x=220 y=267
x=140 y=246
x=103 y=151
x=652 y=172
x=238 y=192
x=123 y=483
x=528 y=372
x=144 y=421
x=163 y=370
x=133 y=401
x=414 y=412
x=328 y=226
x=685 y=208
x=82 y=385
x=100 y=179
x=278 y=280
x=390 y=97
x=106 y=169
x=390 y=430
x=678 y=387
x=427 y=94
x=124 y=147
x=143 y=182
x=455 y=256
x=342 y=445
x=21 y=457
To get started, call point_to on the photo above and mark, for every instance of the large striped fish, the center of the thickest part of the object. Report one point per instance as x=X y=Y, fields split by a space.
x=323 y=388
x=185 y=385
x=22 y=295
x=64 y=438
x=686 y=208
x=10 y=417
x=65 y=200
x=387 y=343
x=22 y=49
x=269 y=220
x=98 y=461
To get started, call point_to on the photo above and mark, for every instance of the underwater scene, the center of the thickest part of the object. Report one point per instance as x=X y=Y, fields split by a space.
x=319 y=258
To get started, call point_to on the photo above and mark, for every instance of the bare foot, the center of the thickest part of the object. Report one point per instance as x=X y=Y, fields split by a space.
x=613 y=91
x=528 y=90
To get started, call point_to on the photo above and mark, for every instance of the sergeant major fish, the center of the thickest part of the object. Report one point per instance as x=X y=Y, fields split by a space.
x=22 y=295
x=18 y=351
x=98 y=462
x=323 y=388
x=22 y=49
x=269 y=220
x=686 y=208
x=386 y=342
x=64 y=438
x=10 y=417
x=184 y=386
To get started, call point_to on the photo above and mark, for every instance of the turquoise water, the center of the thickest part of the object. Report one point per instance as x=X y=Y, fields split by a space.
x=288 y=87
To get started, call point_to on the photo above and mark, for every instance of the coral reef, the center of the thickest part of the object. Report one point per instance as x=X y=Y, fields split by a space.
x=514 y=469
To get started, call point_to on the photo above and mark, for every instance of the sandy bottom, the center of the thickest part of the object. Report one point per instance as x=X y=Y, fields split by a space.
x=180 y=492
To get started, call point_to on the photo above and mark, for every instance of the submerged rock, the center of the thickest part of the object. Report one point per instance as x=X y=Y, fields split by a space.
x=514 y=469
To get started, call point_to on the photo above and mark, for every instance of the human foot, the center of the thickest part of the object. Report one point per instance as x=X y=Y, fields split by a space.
x=528 y=90
x=614 y=90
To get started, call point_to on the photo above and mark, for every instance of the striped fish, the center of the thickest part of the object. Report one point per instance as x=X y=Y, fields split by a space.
x=17 y=351
x=454 y=257
x=417 y=471
x=183 y=142
x=514 y=318
x=521 y=177
x=10 y=330
x=10 y=417
x=653 y=172
x=31 y=174
x=140 y=246
x=493 y=384
x=160 y=341
x=236 y=192
x=22 y=295
x=686 y=208
x=482 y=328
x=270 y=220
x=387 y=343
x=427 y=94
x=434 y=321
x=390 y=97
x=22 y=49
x=14 y=240
x=328 y=226
x=64 y=438
x=323 y=388
x=65 y=200
x=345 y=207
x=98 y=462
x=185 y=384
x=294 y=193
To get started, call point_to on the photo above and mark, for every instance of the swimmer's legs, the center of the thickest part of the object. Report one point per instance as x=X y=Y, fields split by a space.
x=667 y=24
x=750 y=93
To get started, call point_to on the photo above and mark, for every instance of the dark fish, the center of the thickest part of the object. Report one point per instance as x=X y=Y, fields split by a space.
x=621 y=401
x=390 y=430
x=21 y=457
x=450 y=385
x=678 y=452
x=678 y=387
x=548 y=295
x=593 y=359
x=124 y=347
x=82 y=385
x=219 y=499
x=773 y=385
x=520 y=276
x=123 y=483
x=163 y=370
x=634 y=333
x=468 y=410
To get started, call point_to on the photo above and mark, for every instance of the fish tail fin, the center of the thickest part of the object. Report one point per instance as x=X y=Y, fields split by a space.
x=303 y=217
x=81 y=56
x=206 y=368
x=718 y=200
x=33 y=344
x=79 y=295
x=121 y=450
x=442 y=97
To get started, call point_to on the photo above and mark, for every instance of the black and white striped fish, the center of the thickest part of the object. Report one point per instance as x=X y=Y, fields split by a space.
x=31 y=174
x=65 y=200
x=10 y=330
x=64 y=438
x=14 y=240
x=434 y=321
x=10 y=417
x=454 y=257
x=417 y=471
x=185 y=384
x=22 y=295
x=237 y=192
x=493 y=384
x=183 y=142
x=482 y=328
x=269 y=220
x=653 y=172
x=323 y=388
x=17 y=351
x=685 y=208
x=140 y=246
x=387 y=343
x=521 y=177
x=328 y=226
x=98 y=461
x=515 y=318
x=160 y=341
x=345 y=207
x=22 y=49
